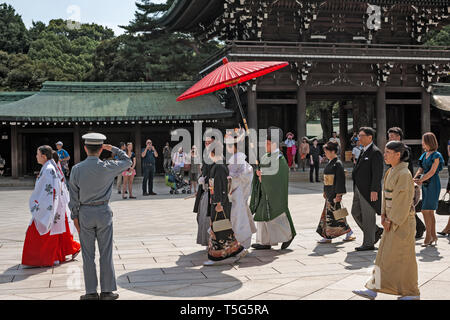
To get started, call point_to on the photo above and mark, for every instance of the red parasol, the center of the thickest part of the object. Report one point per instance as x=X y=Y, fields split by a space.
x=230 y=74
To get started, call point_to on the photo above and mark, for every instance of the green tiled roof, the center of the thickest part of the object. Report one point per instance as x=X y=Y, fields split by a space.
x=8 y=97
x=113 y=101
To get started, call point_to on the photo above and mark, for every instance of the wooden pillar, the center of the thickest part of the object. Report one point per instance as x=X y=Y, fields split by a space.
x=19 y=153
x=24 y=159
x=14 y=153
x=381 y=117
x=137 y=148
x=252 y=108
x=76 y=145
x=343 y=128
x=425 y=112
x=301 y=112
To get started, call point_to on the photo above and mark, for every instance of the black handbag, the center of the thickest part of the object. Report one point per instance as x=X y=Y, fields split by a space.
x=444 y=206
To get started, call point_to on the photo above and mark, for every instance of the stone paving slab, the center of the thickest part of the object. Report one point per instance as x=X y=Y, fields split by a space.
x=156 y=256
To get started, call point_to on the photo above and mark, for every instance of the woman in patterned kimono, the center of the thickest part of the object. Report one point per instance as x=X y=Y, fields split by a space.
x=395 y=270
x=42 y=247
x=334 y=187
x=222 y=243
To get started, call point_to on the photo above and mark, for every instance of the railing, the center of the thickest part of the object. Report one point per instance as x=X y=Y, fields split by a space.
x=411 y=53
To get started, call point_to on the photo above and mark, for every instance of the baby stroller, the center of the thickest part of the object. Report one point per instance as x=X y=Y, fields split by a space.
x=174 y=180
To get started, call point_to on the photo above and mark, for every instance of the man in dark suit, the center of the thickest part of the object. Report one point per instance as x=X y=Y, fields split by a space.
x=396 y=134
x=367 y=176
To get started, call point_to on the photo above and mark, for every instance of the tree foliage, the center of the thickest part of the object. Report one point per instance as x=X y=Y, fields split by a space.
x=53 y=52
x=148 y=53
x=13 y=33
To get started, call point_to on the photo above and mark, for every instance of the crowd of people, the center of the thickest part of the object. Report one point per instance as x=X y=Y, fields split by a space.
x=235 y=200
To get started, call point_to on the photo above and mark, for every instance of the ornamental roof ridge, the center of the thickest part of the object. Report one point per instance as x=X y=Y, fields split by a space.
x=67 y=86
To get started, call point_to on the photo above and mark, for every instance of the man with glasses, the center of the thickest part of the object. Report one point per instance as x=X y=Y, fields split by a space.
x=149 y=155
x=367 y=176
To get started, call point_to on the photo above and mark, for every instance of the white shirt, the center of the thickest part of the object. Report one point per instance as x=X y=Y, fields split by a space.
x=367 y=147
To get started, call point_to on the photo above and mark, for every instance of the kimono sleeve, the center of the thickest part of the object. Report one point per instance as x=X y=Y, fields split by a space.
x=402 y=199
x=220 y=175
x=339 y=179
x=44 y=199
x=256 y=193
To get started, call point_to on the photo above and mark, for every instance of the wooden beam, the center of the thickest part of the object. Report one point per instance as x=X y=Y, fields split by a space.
x=404 y=89
x=348 y=89
x=76 y=144
x=19 y=147
x=332 y=89
x=301 y=112
x=14 y=153
x=343 y=128
x=403 y=101
x=252 y=107
x=381 y=116
x=276 y=101
x=425 y=112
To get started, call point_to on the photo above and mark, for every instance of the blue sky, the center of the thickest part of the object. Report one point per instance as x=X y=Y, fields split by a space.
x=110 y=13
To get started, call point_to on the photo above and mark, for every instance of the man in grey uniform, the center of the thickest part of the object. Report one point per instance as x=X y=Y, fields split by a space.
x=91 y=183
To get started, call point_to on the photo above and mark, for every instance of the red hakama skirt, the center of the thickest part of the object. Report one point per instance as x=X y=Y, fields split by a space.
x=290 y=157
x=43 y=251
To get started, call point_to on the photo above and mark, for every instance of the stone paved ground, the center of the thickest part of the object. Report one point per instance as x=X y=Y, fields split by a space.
x=156 y=256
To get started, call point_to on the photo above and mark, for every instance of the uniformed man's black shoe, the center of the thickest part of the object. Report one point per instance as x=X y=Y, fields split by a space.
x=90 y=296
x=108 y=296
x=364 y=248
x=258 y=246
x=286 y=244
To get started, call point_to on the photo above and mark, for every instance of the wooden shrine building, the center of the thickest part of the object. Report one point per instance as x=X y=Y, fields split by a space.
x=368 y=55
x=128 y=112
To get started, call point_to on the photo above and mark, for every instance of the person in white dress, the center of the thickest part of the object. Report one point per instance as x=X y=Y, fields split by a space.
x=241 y=173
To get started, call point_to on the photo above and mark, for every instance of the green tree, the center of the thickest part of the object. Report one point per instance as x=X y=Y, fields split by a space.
x=148 y=53
x=439 y=38
x=13 y=33
x=145 y=17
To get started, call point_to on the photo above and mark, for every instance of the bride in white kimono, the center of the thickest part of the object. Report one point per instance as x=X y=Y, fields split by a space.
x=49 y=236
x=241 y=173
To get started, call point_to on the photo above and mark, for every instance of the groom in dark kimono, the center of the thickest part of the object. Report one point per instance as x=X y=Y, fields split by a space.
x=269 y=200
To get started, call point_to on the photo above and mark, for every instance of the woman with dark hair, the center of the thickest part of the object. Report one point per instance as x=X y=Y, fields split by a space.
x=222 y=242
x=431 y=163
x=314 y=160
x=395 y=270
x=48 y=239
x=333 y=190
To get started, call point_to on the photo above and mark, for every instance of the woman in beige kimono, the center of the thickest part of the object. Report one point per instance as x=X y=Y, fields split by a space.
x=395 y=270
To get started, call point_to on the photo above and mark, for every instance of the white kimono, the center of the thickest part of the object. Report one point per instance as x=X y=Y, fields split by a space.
x=242 y=222
x=63 y=211
x=45 y=198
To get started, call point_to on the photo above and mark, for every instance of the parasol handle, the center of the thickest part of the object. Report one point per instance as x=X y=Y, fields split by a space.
x=246 y=126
